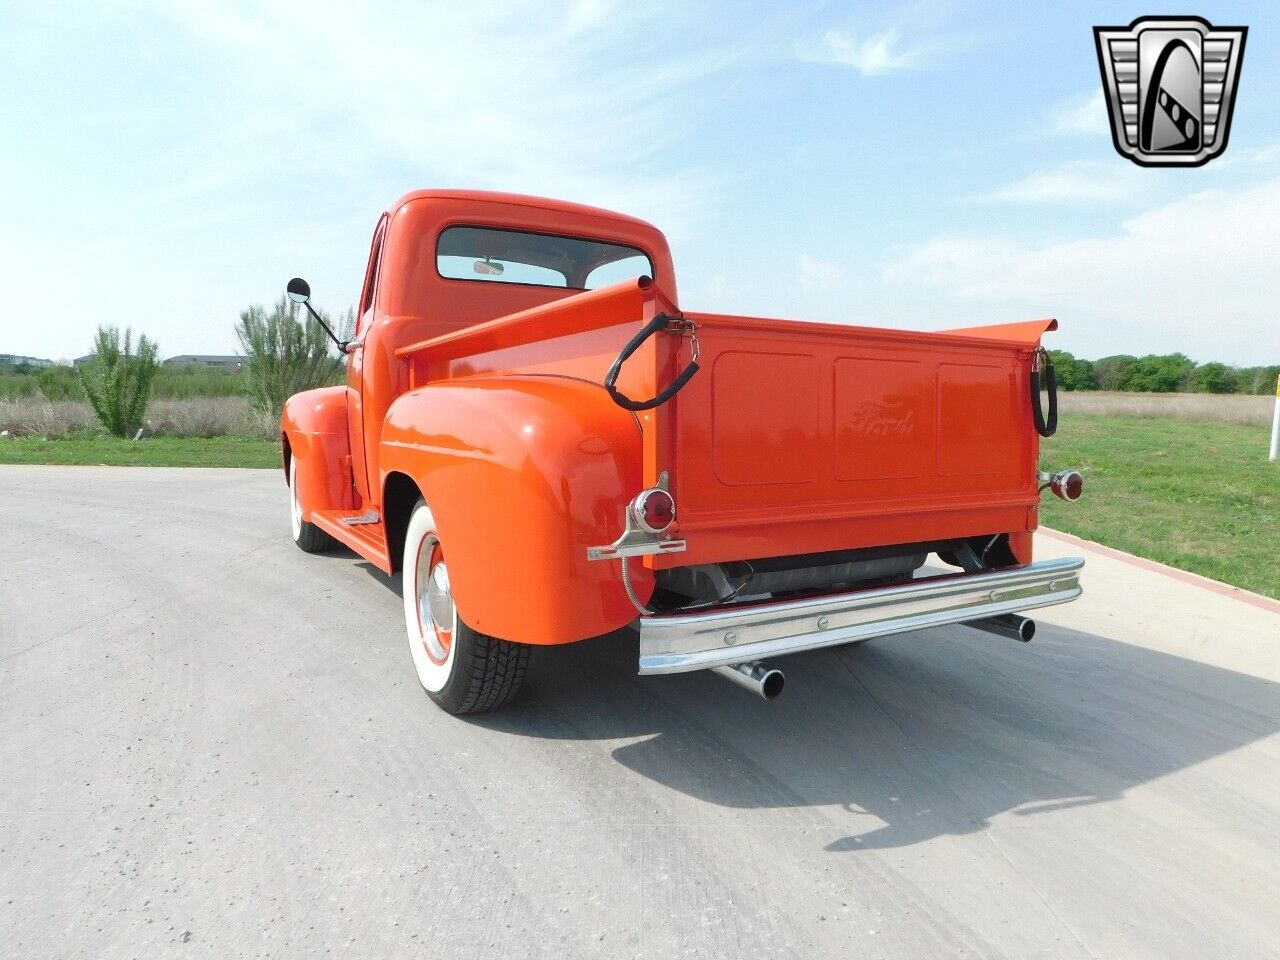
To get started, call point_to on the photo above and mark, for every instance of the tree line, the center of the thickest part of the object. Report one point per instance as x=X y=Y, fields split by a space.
x=1160 y=373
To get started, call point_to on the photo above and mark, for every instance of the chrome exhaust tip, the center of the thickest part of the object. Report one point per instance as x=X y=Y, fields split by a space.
x=1007 y=625
x=756 y=677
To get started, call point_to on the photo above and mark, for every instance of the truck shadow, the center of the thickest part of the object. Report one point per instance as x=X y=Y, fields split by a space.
x=925 y=734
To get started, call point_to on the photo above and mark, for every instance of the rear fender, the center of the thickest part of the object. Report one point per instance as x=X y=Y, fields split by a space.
x=523 y=474
x=313 y=427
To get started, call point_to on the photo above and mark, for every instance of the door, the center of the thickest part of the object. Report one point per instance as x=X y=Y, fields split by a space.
x=355 y=367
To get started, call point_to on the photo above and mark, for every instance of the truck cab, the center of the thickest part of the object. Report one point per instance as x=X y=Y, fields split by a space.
x=545 y=447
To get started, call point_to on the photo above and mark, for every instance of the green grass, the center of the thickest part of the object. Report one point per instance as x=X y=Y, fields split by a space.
x=1199 y=496
x=151 y=452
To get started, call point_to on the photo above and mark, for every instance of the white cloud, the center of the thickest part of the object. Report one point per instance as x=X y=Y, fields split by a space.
x=1197 y=274
x=1249 y=156
x=1076 y=182
x=1087 y=114
x=219 y=148
x=872 y=55
x=530 y=101
x=817 y=275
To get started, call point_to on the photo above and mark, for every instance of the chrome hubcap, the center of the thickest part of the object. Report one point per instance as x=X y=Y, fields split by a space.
x=435 y=600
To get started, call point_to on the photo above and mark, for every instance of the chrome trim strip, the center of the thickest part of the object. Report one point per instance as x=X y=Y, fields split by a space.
x=678 y=642
x=635 y=548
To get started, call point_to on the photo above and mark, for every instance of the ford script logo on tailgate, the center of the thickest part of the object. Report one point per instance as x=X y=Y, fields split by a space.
x=875 y=419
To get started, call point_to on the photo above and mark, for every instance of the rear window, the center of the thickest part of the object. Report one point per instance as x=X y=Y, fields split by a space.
x=541 y=259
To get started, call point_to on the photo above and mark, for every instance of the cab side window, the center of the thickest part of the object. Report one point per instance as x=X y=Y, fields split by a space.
x=370 y=289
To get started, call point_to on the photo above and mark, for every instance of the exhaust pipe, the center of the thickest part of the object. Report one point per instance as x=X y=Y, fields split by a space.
x=1007 y=625
x=756 y=677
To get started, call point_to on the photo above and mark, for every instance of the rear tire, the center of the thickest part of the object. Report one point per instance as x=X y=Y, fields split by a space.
x=308 y=537
x=462 y=670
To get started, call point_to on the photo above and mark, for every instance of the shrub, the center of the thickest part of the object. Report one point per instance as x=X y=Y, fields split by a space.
x=1150 y=374
x=210 y=417
x=58 y=383
x=1112 y=373
x=1213 y=378
x=283 y=355
x=1257 y=379
x=1073 y=373
x=1162 y=374
x=117 y=381
x=194 y=381
x=34 y=417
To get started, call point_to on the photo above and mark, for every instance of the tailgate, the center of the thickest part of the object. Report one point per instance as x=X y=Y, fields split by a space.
x=803 y=438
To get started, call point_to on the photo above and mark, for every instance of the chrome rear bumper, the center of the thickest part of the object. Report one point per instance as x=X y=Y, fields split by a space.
x=678 y=642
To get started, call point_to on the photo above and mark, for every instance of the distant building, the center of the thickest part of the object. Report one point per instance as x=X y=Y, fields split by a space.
x=206 y=360
x=14 y=359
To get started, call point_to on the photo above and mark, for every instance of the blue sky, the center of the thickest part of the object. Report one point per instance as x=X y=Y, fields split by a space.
x=922 y=165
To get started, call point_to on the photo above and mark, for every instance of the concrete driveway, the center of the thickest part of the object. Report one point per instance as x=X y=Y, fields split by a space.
x=213 y=745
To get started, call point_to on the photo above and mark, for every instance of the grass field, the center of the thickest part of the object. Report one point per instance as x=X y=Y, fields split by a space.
x=1199 y=496
x=1224 y=407
x=151 y=452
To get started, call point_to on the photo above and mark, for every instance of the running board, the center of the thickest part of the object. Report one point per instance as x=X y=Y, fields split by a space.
x=365 y=536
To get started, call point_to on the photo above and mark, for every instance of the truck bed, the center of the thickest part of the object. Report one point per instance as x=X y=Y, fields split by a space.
x=794 y=438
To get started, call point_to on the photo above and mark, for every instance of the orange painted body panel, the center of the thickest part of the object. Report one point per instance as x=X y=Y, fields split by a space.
x=523 y=474
x=805 y=438
x=793 y=438
x=1025 y=333
x=314 y=424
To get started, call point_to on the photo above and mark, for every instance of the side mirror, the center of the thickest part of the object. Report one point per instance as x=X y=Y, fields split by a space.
x=299 y=290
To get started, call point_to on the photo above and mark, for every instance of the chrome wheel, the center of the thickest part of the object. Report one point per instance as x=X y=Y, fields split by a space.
x=436 y=611
x=430 y=615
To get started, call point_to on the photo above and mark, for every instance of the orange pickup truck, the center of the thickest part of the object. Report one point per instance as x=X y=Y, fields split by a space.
x=546 y=448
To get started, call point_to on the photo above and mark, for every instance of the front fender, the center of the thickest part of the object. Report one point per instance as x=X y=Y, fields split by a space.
x=313 y=426
x=523 y=474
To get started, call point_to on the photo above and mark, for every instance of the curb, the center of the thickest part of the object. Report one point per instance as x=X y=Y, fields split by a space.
x=1205 y=583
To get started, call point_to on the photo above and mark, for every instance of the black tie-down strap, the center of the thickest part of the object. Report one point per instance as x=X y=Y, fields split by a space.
x=660 y=322
x=1046 y=428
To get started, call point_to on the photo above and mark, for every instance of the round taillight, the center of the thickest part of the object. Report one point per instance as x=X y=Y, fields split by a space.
x=1074 y=486
x=654 y=510
x=1069 y=485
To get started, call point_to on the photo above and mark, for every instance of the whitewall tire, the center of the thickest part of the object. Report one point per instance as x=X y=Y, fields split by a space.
x=461 y=670
x=308 y=537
